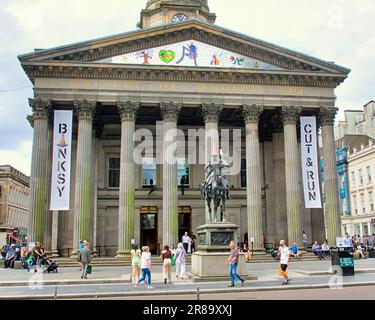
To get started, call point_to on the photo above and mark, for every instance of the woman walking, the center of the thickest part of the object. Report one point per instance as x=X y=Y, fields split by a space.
x=135 y=255
x=284 y=253
x=145 y=267
x=166 y=256
x=233 y=264
x=180 y=258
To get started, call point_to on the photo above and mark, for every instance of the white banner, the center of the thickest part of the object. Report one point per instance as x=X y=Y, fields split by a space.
x=61 y=162
x=310 y=163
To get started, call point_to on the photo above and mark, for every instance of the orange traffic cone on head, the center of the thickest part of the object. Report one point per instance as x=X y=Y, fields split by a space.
x=62 y=141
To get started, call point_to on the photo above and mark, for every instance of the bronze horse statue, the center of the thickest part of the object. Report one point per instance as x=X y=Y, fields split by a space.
x=215 y=189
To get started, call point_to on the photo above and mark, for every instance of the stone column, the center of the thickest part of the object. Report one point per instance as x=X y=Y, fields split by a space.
x=48 y=225
x=327 y=118
x=126 y=232
x=38 y=178
x=170 y=111
x=279 y=193
x=54 y=234
x=83 y=222
x=211 y=114
x=292 y=174
x=251 y=114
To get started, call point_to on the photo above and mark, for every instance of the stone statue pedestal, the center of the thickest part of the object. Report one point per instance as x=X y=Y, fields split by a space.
x=208 y=263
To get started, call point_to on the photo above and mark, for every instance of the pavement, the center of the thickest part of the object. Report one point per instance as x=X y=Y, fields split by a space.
x=114 y=282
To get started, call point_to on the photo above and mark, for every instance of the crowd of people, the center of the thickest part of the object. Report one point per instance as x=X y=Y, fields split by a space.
x=360 y=244
x=171 y=257
x=28 y=258
x=176 y=257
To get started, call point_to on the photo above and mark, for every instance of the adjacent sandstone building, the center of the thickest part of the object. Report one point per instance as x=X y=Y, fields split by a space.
x=14 y=198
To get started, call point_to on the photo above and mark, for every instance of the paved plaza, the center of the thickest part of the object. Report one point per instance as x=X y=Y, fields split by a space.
x=114 y=282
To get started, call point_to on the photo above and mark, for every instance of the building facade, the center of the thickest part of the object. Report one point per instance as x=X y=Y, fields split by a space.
x=361 y=166
x=14 y=198
x=179 y=71
x=357 y=122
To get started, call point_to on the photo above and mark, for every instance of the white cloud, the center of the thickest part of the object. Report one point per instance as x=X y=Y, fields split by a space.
x=19 y=158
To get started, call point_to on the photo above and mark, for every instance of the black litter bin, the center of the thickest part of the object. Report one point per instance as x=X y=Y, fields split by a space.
x=346 y=261
x=371 y=253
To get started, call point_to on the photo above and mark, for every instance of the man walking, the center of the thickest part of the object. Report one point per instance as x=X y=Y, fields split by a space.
x=233 y=263
x=85 y=259
x=186 y=242
x=284 y=262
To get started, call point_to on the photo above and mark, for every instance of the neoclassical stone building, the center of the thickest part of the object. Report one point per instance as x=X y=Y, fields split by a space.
x=181 y=69
x=14 y=198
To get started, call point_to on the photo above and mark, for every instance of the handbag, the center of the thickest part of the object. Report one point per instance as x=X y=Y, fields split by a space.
x=248 y=256
x=89 y=269
x=280 y=271
x=173 y=260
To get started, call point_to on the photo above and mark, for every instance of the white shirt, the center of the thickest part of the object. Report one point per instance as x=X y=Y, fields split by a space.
x=145 y=260
x=284 y=255
x=186 y=239
x=325 y=247
x=348 y=242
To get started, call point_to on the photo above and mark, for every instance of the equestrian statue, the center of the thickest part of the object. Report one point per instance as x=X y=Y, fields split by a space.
x=215 y=188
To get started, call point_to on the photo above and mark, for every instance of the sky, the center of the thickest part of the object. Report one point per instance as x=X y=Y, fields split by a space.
x=333 y=30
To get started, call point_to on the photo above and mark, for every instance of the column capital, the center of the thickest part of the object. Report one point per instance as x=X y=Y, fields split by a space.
x=170 y=110
x=128 y=109
x=327 y=116
x=211 y=111
x=290 y=114
x=85 y=109
x=251 y=113
x=41 y=108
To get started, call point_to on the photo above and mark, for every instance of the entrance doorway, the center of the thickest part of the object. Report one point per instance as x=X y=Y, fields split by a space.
x=149 y=228
x=184 y=221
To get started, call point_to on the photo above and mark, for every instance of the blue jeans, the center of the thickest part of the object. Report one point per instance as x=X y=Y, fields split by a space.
x=31 y=263
x=233 y=273
x=145 y=273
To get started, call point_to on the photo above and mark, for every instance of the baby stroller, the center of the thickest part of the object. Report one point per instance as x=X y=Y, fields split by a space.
x=50 y=266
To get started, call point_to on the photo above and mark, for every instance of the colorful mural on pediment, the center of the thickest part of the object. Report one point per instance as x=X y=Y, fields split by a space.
x=190 y=53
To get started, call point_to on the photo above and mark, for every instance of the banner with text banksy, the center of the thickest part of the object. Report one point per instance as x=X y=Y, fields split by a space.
x=310 y=163
x=61 y=162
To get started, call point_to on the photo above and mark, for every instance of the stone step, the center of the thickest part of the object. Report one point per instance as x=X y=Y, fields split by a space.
x=108 y=262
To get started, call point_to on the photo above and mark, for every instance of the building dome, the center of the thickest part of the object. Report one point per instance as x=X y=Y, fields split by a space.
x=153 y=4
x=159 y=12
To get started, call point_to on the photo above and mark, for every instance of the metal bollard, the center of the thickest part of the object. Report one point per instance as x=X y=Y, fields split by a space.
x=198 y=293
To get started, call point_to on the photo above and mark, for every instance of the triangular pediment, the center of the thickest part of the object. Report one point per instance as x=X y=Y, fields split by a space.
x=191 y=44
x=190 y=53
